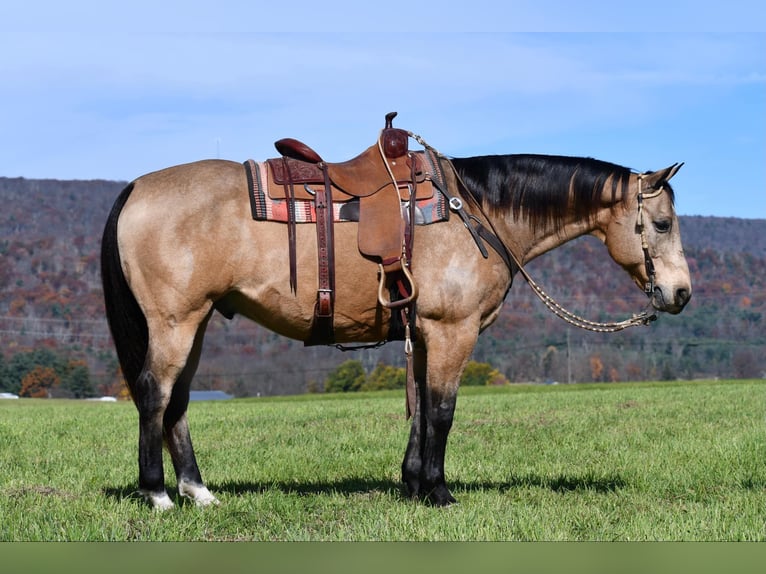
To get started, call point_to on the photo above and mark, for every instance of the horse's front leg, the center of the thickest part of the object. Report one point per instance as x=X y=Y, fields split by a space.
x=437 y=372
x=435 y=423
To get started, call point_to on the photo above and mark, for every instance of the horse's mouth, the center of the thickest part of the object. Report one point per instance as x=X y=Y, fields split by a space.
x=673 y=305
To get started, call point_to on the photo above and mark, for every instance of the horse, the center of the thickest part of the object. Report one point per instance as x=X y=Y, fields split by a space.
x=180 y=244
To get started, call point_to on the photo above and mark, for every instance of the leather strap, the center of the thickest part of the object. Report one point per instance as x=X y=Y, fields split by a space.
x=322 y=329
x=409 y=228
x=290 y=196
x=497 y=245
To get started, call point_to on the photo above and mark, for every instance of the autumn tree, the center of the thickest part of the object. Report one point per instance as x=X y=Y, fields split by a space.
x=21 y=364
x=114 y=385
x=596 y=367
x=39 y=382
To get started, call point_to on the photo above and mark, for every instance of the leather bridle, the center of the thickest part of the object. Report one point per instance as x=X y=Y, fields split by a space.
x=641 y=230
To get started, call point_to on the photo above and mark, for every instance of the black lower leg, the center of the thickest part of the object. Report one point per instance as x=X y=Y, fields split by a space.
x=433 y=482
x=413 y=456
x=151 y=476
x=178 y=438
x=423 y=465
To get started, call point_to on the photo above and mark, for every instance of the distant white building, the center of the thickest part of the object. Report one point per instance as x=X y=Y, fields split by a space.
x=8 y=396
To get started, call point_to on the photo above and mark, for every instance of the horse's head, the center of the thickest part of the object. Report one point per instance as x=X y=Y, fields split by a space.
x=643 y=236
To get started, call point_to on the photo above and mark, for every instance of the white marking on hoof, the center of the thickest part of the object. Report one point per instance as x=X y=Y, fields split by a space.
x=160 y=502
x=199 y=494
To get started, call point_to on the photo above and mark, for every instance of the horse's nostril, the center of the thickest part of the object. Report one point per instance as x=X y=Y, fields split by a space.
x=682 y=296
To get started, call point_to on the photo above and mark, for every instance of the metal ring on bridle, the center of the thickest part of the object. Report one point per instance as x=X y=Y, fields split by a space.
x=455 y=203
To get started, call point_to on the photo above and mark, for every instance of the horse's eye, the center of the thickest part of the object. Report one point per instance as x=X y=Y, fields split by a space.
x=663 y=226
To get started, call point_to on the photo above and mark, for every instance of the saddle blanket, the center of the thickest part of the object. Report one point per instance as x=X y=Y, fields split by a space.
x=265 y=208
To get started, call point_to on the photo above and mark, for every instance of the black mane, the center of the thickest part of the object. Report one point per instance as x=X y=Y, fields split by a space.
x=537 y=187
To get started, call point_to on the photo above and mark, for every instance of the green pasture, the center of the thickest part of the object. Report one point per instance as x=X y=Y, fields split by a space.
x=651 y=461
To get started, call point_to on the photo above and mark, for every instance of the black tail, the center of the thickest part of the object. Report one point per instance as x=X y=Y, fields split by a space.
x=126 y=320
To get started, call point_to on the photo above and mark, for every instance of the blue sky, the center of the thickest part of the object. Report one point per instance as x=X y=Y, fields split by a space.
x=114 y=90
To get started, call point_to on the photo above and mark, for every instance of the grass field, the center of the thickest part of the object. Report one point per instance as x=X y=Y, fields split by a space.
x=670 y=461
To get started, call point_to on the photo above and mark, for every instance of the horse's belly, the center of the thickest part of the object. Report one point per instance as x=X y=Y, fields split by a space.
x=291 y=315
x=264 y=295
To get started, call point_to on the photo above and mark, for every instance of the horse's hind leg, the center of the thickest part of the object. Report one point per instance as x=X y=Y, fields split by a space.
x=151 y=400
x=176 y=430
x=170 y=348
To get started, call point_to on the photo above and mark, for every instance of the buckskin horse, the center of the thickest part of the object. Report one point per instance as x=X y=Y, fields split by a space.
x=182 y=242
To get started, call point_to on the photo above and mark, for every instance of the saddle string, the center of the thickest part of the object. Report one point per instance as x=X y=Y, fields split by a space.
x=643 y=318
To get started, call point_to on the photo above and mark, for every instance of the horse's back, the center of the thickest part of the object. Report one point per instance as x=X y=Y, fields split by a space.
x=206 y=180
x=186 y=196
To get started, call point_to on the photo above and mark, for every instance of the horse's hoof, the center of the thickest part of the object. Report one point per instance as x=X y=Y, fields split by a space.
x=441 y=497
x=198 y=493
x=160 y=501
x=206 y=500
x=412 y=490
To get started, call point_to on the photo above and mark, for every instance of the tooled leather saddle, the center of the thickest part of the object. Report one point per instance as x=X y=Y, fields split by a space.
x=380 y=185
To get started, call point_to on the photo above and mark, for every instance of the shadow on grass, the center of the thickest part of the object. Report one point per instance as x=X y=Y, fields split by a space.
x=754 y=483
x=356 y=486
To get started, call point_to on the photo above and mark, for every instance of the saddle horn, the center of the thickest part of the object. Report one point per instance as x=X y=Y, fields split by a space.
x=394 y=140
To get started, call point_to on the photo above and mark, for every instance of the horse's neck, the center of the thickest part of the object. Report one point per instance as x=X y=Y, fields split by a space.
x=529 y=244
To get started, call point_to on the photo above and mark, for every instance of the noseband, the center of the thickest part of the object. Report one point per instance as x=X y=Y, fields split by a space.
x=641 y=230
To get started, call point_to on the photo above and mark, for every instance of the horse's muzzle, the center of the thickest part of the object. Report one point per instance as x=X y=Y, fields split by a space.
x=674 y=304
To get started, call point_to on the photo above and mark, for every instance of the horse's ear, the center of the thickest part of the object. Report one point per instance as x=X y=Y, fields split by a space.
x=656 y=177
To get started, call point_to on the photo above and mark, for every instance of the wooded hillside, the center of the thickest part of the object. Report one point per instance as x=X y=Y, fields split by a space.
x=51 y=303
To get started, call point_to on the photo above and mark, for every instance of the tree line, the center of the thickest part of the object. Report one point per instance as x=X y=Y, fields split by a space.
x=350 y=376
x=41 y=373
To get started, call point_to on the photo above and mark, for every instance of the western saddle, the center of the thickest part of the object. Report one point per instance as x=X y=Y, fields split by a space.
x=383 y=182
